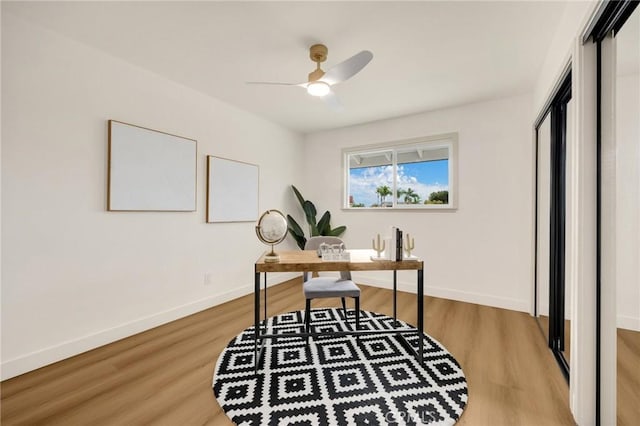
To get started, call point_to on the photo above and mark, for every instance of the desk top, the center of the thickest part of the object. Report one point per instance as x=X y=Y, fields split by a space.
x=308 y=260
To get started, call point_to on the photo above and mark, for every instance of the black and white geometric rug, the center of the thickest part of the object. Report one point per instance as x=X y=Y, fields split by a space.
x=337 y=380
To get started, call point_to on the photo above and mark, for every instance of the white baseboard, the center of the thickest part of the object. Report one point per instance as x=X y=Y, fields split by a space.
x=46 y=356
x=445 y=293
x=628 y=323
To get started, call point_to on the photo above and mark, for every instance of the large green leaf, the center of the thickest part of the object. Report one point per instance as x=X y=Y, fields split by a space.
x=294 y=225
x=310 y=212
x=324 y=223
x=336 y=232
x=301 y=241
x=298 y=196
x=296 y=232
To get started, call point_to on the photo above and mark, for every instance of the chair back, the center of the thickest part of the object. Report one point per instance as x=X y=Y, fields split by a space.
x=313 y=243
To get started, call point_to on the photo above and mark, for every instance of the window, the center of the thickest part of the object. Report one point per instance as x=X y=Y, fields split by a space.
x=416 y=174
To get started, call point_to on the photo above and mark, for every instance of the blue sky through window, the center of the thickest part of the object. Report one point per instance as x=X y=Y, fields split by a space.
x=422 y=177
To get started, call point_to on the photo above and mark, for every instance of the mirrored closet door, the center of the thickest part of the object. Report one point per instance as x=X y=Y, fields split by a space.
x=552 y=293
x=625 y=212
x=617 y=35
x=543 y=207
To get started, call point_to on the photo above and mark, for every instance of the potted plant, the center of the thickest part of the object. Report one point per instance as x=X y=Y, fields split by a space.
x=321 y=227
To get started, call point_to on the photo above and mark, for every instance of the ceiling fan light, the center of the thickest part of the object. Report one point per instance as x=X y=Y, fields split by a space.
x=318 y=88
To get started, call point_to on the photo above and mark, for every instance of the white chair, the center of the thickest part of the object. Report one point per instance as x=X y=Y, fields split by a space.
x=325 y=287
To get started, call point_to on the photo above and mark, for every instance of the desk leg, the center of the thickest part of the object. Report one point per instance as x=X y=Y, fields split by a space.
x=256 y=317
x=420 y=314
x=395 y=297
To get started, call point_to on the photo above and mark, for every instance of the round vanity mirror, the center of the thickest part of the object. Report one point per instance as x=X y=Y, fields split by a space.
x=271 y=229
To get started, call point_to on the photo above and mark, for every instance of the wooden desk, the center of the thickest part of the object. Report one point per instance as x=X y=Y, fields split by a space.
x=308 y=261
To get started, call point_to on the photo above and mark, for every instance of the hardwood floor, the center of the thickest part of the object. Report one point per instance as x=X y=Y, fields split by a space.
x=628 y=384
x=544 y=327
x=163 y=376
x=628 y=371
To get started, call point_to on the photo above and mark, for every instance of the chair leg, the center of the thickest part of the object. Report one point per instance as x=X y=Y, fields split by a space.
x=357 y=303
x=307 y=317
x=344 y=308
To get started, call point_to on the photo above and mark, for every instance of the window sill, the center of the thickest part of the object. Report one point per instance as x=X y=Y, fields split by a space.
x=400 y=209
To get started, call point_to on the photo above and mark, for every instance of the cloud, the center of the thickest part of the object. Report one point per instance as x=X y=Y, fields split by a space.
x=363 y=184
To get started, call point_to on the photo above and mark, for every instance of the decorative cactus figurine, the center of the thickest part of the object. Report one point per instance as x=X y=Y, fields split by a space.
x=409 y=245
x=378 y=245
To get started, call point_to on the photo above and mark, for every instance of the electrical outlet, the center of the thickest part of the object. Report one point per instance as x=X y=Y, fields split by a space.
x=208 y=278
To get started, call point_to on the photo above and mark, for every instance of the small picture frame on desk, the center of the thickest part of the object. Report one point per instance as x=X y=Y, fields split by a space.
x=336 y=257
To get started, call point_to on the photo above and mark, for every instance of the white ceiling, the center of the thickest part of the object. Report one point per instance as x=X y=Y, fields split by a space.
x=427 y=55
x=628 y=46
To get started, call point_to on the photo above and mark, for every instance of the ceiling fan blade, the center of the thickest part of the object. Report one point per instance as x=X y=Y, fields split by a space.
x=347 y=69
x=333 y=102
x=272 y=83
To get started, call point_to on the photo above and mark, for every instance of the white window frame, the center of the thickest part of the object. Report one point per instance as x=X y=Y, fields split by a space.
x=448 y=140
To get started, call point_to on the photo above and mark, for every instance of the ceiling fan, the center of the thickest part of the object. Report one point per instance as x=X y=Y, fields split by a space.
x=319 y=82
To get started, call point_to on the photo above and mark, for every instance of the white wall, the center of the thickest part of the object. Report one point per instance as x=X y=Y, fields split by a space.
x=480 y=253
x=75 y=276
x=628 y=200
x=571 y=24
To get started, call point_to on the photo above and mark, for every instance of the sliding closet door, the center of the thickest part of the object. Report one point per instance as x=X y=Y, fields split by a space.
x=627 y=218
x=552 y=298
x=620 y=221
x=617 y=34
x=543 y=209
x=557 y=286
x=565 y=319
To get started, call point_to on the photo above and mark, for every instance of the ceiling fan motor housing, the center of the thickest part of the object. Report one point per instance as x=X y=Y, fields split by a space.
x=318 y=54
